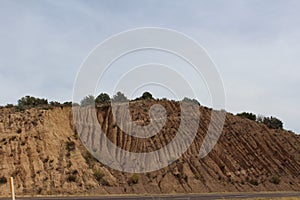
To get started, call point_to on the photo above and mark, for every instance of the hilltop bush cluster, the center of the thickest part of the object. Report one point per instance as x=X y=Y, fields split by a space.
x=193 y=101
x=271 y=122
x=101 y=99
x=104 y=99
x=120 y=97
x=29 y=101
x=247 y=115
x=88 y=100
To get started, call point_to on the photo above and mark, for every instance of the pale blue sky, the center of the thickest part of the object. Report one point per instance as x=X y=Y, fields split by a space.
x=255 y=45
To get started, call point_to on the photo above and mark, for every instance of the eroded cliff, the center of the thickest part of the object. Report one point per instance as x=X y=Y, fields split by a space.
x=41 y=149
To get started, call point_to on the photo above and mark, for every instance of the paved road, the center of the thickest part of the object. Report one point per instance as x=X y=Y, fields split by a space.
x=169 y=197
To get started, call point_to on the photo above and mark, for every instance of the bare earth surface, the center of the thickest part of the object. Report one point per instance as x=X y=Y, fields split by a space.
x=253 y=196
x=42 y=151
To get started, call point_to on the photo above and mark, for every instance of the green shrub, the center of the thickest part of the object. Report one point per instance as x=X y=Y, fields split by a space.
x=71 y=178
x=9 y=105
x=104 y=182
x=193 y=101
x=29 y=101
x=119 y=97
x=198 y=176
x=134 y=179
x=275 y=180
x=89 y=159
x=39 y=190
x=68 y=103
x=147 y=95
x=102 y=98
x=3 y=180
x=70 y=145
x=247 y=115
x=222 y=167
x=76 y=136
x=253 y=182
x=273 y=122
x=54 y=103
x=88 y=100
x=99 y=175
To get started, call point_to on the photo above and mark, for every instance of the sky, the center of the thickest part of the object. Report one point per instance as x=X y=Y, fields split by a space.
x=254 y=44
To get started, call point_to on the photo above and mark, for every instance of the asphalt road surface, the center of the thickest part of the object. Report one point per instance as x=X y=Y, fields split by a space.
x=169 y=197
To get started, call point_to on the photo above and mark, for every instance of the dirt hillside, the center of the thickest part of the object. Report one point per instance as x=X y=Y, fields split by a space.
x=40 y=148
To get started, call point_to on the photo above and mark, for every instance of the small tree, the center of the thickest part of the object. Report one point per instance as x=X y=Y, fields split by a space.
x=68 y=103
x=147 y=95
x=273 y=122
x=9 y=105
x=29 y=101
x=102 y=98
x=88 y=100
x=193 y=101
x=247 y=115
x=119 y=97
x=54 y=103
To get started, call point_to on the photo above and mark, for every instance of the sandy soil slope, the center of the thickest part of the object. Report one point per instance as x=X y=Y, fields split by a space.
x=40 y=148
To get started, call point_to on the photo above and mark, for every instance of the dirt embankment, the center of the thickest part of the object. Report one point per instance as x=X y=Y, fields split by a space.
x=42 y=151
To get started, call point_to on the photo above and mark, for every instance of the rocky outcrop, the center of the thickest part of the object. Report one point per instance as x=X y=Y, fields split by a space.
x=43 y=152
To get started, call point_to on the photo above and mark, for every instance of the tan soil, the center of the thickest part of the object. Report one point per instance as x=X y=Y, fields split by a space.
x=41 y=150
